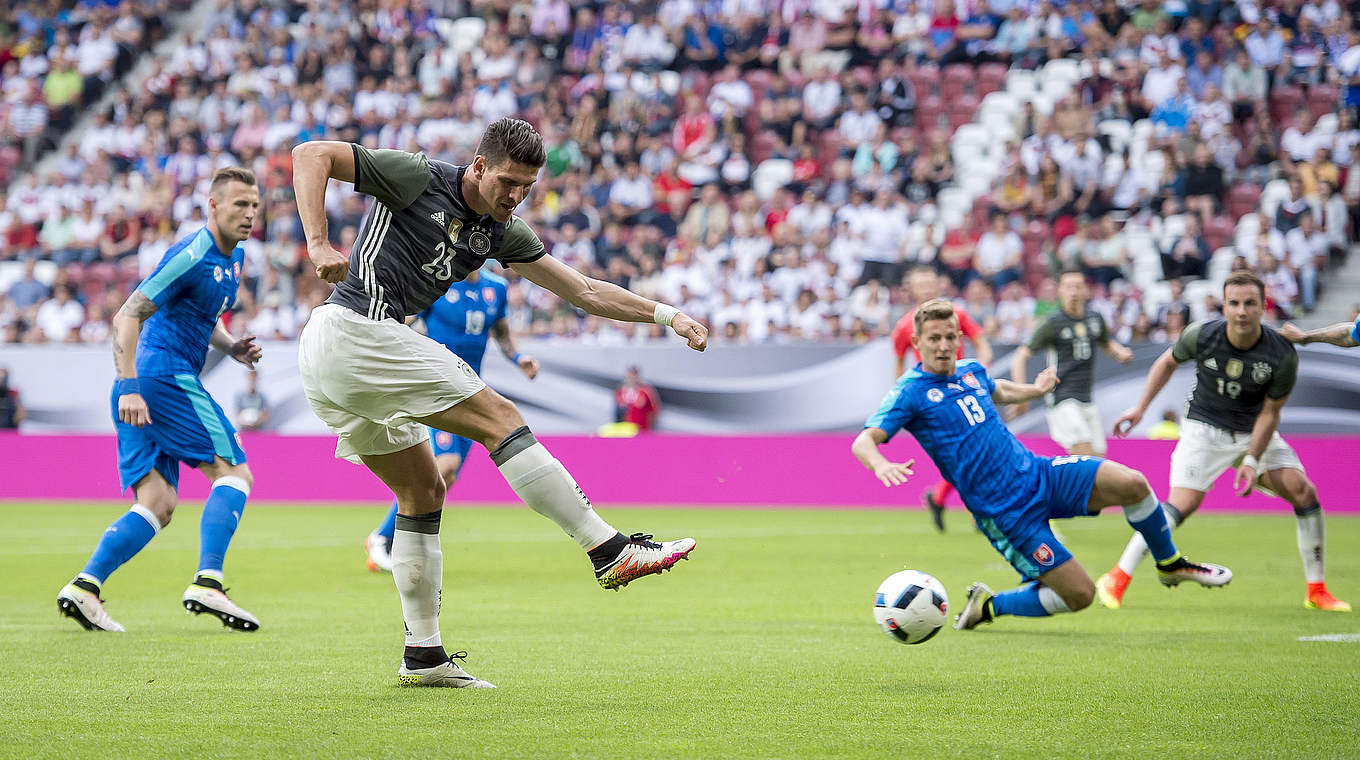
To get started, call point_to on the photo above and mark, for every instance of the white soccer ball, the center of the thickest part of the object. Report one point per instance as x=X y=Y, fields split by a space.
x=911 y=606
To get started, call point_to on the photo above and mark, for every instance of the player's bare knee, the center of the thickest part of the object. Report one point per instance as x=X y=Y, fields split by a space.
x=1301 y=492
x=1133 y=486
x=1080 y=597
x=242 y=471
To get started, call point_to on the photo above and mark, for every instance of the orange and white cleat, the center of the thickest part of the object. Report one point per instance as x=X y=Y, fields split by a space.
x=642 y=556
x=1110 y=588
x=1319 y=598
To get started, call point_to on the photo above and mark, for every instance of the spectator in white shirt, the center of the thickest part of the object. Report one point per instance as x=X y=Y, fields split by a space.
x=645 y=44
x=859 y=124
x=1161 y=82
x=821 y=100
x=59 y=318
x=1301 y=142
x=730 y=96
x=1281 y=288
x=1306 y=249
x=631 y=193
x=998 y=254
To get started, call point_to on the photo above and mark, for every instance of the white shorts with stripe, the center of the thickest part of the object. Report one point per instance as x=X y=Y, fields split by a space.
x=1204 y=452
x=369 y=380
x=1071 y=422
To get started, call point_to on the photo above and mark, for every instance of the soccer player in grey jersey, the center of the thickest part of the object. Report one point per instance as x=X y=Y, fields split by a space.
x=377 y=383
x=1244 y=372
x=1071 y=334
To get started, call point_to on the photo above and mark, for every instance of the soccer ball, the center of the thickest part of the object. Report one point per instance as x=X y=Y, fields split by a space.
x=910 y=606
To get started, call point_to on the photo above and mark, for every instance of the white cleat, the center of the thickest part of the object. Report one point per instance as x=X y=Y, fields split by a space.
x=977 y=610
x=199 y=599
x=445 y=674
x=86 y=608
x=379 y=553
x=640 y=557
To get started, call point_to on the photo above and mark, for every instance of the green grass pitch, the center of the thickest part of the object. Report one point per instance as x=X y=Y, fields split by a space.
x=763 y=645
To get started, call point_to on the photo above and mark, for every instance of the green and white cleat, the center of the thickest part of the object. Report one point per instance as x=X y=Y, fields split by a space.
x=86 y=608
x=200 y=599
x=640 y=557
x=446 y=674
x=977 y=610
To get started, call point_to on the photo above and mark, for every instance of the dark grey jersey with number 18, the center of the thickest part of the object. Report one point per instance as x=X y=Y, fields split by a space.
x=1071 y=343
x=421 y=236
x=1232 y=384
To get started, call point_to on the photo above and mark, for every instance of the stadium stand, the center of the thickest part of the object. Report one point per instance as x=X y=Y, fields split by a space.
x=772 y=167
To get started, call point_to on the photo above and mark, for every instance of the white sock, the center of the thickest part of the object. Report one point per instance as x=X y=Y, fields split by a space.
x=546 y=486
x=1053 y=604
x=1312 y=536
x=1137 y=548
x=418 y=569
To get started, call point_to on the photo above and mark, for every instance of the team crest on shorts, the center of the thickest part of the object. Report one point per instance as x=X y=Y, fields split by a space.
x=479 y=243
x=1260 y=372
x=1233 y=368
x=1043 y=555
x=444 y=440
x=971 y=381
x=935 y=394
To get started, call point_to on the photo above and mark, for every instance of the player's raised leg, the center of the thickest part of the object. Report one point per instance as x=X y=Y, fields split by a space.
x=1298 y=490
x=231 y=484
x=120 y=542
x=546 y=486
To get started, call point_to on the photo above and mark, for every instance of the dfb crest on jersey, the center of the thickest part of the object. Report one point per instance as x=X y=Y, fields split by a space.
x=1233 y=368
x=1260 y=372
x=479 y=243
x=217 y=273
x=971 y=381
x=935 y=394
x=489 y=295
x=1043 y=555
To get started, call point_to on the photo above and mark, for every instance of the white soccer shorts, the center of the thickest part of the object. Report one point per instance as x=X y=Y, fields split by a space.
x=1071 y=422
x=370 y=380
x=1204 y=452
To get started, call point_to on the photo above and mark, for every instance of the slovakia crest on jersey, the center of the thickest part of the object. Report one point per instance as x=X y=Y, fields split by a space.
x=489 y=295
x=236 y=270
x=935 y=394
x=971 y=381
x=1043 y=555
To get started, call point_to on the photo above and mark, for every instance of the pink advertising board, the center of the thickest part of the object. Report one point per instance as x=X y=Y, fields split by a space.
x=748 y=471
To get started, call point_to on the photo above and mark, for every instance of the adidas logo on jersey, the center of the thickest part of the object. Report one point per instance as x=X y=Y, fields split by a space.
x=438 y=218
x=1211 y=364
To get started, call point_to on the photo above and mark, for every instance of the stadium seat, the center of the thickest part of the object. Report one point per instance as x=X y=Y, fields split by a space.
x=959 y=78
x=1284 y=101
x=954 y=204
x=1196 y=290
x=1020 y=83
x=925 y=80
x=991 y=77
x=1323 y=99
x=1242 y=199
x=962 y=109
x=1218 y=232
x=466 y=34
x=1117 y=131
x=928 y=112
x=1156 y=294
x=1220 y=266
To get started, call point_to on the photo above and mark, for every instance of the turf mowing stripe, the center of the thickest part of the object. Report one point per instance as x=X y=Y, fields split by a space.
x=1343 y=637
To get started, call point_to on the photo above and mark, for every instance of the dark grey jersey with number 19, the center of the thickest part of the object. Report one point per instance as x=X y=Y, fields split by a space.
x=421 y=236
x=1232 y=384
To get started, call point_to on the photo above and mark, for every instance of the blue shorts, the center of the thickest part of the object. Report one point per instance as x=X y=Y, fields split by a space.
x=186 y=426
x=1023 y=537
x=448 y=443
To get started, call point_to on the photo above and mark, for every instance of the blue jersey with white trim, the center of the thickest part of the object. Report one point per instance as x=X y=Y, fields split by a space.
x=192 y=286
x=955 y=421
x=1355 y=331
x=462 y=319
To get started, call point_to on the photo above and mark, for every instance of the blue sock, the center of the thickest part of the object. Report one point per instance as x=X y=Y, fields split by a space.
x=1022 y=602
x=388 y=529
x=1149 y=520
x=121 y=541
x=221 y=515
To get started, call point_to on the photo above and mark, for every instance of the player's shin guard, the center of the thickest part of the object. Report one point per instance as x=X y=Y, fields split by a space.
x=1137 y=548
x=1150 y=521
x=546 y=486
x=221 y=514
x=418 y=569
x=121 y=541
x=1312 y=537
x=1030 y=600
x=389 y=524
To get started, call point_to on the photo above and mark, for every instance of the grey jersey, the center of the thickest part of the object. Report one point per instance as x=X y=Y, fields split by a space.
x=1232 y=384
x=420 y=236
x=1071 y=344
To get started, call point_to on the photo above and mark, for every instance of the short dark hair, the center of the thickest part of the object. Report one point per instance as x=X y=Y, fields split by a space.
x=1071 y=270
x=935 y=308
x=231 y=174
x=512 y=139
x=1245 y=277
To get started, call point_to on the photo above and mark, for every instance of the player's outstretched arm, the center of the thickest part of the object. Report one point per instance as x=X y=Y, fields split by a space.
x=1340 y=334
x=1008 y=392
x=605 y=299
x=127 y=328
x=865 y=449
x=526 y=363
x=1157 y=377
x=1118 y=351
x=314 y=164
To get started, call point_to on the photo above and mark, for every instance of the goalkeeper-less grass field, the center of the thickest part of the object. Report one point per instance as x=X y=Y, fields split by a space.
x=763 y=645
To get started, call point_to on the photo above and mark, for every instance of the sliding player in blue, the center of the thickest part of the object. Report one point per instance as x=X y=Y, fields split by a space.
x=163 y=415
x=469 y=313
x=949 y=406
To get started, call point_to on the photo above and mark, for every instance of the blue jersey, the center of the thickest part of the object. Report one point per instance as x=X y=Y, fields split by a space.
x=191 y=287
x=1355 y=331
x=955 y=421
x=461 y=320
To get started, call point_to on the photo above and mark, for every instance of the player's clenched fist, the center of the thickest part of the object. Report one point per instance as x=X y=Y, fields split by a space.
x=690 y=330
x=894 y=473
x=331 y=265
x=132 y=410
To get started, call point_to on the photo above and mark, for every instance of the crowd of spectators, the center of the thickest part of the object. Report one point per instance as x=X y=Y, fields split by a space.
x=660 y=120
